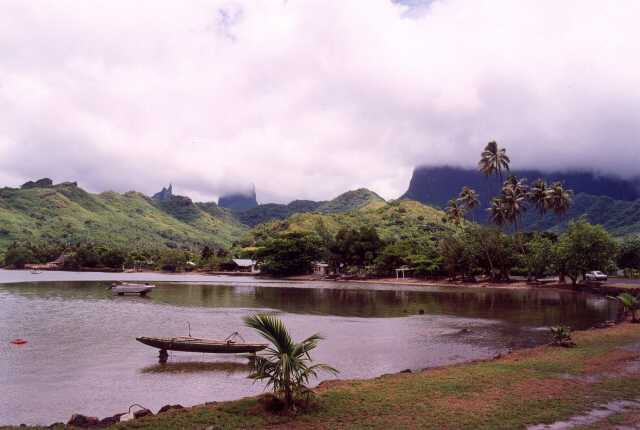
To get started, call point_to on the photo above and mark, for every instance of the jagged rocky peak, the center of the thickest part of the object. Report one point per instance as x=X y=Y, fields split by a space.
x=40 y=183
x=165 y=194
x=239 y=200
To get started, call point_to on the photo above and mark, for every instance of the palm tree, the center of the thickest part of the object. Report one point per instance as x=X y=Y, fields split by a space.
x=497 y=213
x=493 y=160
x=559 y=199
x=509 y=207
x=455 y=212
x=539 y=196
x=514 y=197
x=469 y=198
x=286 y=365
x=630 y=304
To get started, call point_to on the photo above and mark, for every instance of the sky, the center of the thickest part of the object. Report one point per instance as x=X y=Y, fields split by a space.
x=308 y=99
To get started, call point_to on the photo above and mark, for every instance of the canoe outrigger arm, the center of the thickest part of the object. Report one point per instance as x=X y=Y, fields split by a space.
x=233 y=336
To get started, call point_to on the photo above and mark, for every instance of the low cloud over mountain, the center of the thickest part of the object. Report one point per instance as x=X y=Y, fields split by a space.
x=309 y=98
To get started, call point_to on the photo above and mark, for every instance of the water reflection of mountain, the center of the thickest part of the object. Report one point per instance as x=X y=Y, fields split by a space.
x=527 y=307
x=523 y=307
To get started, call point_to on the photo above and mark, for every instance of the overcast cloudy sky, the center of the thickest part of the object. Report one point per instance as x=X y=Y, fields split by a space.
x=310 y=98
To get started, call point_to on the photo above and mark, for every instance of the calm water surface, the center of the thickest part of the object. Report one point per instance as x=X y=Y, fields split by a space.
x=82 y=355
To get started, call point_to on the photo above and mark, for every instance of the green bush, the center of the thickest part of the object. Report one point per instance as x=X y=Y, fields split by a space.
x=289 y=254
x=18 y=256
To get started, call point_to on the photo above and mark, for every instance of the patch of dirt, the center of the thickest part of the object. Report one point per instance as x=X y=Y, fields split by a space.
x=544 y=388
x=481 y=405
x=485 y=402
x=634 y=347
x=592 y=417
x=611 y=362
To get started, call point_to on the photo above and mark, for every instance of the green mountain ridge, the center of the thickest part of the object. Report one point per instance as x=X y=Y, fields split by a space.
x=351 y=200
x=398 y=220
x=67 y=213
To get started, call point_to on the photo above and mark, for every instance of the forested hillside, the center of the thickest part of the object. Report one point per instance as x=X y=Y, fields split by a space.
x=66 y=213
x=397 y=220
x=619 y=217
x=345 y=202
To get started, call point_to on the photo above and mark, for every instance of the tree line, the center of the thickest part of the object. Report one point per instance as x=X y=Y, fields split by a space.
x=91 y=255
x=494 y=251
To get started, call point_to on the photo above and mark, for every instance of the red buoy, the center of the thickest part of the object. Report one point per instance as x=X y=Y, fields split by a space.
x=18 y=341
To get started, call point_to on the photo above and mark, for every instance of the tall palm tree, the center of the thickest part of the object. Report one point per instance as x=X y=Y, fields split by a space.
x=493 y=160
x=513 y=205
x=559 y=199
x=469 y=198
x=514 y=198
x=455 y=212
x=286 y=365
x=539 y=196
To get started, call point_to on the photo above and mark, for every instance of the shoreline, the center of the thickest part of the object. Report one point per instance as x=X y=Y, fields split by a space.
x=512 y=285
x=598 y=289
x=604 y=367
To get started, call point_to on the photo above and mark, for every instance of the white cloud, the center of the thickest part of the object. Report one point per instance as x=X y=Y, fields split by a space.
x=310 y=98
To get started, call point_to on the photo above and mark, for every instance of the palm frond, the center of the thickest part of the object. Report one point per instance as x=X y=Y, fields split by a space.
x=272 y=329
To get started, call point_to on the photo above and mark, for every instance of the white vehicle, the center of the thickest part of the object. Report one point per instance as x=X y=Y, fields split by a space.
x=596 y=276
x=128 y=288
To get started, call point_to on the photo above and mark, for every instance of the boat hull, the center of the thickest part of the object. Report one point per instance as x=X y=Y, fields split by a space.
x=193 y=344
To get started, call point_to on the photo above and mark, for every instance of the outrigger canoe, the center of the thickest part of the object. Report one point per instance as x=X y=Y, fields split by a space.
x=195 y=344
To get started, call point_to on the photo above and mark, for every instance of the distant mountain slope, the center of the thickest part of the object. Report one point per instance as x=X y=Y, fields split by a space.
x=66 y=212
x=437 y=185
x=397 y=220
x=351 y=200
x=271 y=211
x=239 y=201
x=343 y=203
x=619 y=217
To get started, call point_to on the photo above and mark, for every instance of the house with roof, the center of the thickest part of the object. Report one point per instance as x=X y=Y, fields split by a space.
x=245 y=265
x=320 y=268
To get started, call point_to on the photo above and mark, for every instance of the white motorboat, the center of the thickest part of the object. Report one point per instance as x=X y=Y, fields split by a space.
x=123 y=288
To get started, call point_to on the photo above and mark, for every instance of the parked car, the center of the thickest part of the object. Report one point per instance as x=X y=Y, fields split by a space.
x=596 y=276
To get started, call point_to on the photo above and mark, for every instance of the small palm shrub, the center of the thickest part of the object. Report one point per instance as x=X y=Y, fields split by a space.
x=630 y=305
x=561 y=336
x=286 y=366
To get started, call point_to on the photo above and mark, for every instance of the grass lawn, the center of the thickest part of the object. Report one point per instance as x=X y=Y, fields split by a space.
x=540 y=385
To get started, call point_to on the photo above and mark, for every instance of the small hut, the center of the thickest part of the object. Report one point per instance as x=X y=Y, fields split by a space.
x=320 y=268
x=245 y=265
x=402 y=271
